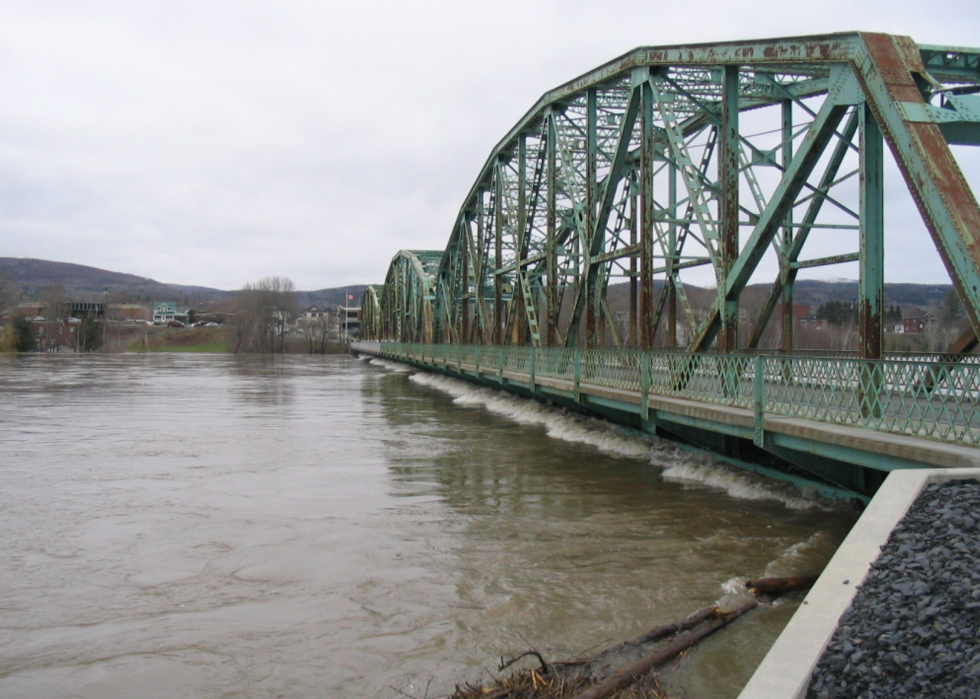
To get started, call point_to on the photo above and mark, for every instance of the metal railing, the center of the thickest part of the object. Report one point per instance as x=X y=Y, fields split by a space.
x=926 y=399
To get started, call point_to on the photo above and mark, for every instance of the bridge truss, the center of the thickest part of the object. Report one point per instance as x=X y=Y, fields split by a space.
x=730 y=161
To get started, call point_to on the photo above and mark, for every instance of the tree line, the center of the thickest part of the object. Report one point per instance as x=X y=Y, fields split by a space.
x=266 y=310
x=846 y=313
x=20 y=335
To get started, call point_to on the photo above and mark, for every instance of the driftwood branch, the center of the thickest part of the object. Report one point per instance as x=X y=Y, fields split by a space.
x=588 y=678
x=659 y=632
x=634 y=672
x=544 y=666
x=779 y=586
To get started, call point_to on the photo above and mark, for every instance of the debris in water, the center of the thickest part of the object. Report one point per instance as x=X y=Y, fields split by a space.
x=615 y=673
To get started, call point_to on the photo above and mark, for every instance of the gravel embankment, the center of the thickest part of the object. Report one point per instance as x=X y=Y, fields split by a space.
x=914 y=627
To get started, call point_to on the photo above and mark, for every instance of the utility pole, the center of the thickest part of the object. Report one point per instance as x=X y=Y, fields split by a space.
x=105 y=317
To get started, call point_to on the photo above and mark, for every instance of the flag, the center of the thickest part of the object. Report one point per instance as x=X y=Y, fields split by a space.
x=350 y=296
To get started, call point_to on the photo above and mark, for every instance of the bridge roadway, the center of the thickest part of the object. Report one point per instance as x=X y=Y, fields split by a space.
x=837 y=424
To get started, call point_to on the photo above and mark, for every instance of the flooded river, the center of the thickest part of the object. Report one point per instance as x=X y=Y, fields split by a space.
x=220 y=526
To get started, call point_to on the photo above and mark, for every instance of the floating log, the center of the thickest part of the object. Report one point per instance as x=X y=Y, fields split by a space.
x=632 y=673
x=587 y=678
x=658 y=632
x=779 y=586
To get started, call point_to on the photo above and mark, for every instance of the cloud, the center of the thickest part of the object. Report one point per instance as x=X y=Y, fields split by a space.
x=217 y=142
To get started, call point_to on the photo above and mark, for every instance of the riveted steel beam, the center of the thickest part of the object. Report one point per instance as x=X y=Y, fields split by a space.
x=888 y=67
x=668 y=159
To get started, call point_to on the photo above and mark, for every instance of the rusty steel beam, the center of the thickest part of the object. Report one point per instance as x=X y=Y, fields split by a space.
x=728 y=206
x=871 y=287
x=668 y=160
x=888 y=74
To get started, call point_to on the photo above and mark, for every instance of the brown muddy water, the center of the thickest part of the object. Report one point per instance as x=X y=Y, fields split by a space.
x=219 y=526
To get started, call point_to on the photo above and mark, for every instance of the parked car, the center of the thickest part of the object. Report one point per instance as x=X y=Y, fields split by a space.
x=175 y=324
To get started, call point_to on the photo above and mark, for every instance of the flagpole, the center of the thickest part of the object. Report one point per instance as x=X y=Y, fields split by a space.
x=347 y=298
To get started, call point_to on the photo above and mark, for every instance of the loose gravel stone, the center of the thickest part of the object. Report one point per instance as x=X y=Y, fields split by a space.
x=913 y=629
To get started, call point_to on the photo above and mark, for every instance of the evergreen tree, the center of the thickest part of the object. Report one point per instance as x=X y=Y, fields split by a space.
x=24 y=339
x=89 y=335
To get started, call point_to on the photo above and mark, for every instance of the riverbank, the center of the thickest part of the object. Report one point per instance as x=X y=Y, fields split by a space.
x=213 y=340
x=786 y=671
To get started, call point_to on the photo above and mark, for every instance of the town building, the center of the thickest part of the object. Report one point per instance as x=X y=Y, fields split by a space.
x=164 y=312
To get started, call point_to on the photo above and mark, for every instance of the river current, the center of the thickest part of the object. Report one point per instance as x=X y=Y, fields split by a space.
x=194 y=526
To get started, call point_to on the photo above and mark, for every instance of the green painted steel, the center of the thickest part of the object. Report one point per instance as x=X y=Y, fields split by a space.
x=371 y=320
x=922 y=399
x=409 y=295
x=569 y=268
x=669 y=160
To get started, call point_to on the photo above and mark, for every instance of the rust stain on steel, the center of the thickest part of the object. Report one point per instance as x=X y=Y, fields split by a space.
x=898 y=58
x=870 y=330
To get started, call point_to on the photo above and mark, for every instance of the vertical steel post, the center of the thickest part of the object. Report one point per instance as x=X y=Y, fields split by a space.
x=464 y=291
x=728 y=167
x=759 y=398
x=871 y=301
x=551 y=321
x=591 y=195
x=872 y=257
x=634 y=271
x=518 y=303
x=673 y=256
x=788 y=319
x=499 y=325
x=481 y=250
x=645 y=385
x=646 y=212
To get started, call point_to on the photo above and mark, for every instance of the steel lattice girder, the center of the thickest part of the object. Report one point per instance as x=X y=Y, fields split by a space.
x=371 y=320
x=717 y=155
x=409 y=294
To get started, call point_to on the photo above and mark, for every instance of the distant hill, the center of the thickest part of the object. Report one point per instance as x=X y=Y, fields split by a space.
x=84 y=283
x=814 y=293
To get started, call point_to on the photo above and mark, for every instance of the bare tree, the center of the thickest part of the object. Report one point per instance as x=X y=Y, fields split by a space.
x=54 y=301
x=317 y=334
x=264 y=312
x=285 y=307
x=950 y=311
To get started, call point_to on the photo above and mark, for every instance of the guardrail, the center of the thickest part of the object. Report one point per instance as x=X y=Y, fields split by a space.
x=926 y=399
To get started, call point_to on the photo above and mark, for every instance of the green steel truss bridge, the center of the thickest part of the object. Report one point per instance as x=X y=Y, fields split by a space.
x=741 y=163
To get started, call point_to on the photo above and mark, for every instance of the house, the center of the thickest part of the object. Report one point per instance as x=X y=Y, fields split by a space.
x=314 y=313
x=164 y=312
x=318 y=323
x=802 y=316
x=919 y=324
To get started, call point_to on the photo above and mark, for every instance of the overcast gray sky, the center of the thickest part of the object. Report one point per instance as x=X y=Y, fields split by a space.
x=215 y=142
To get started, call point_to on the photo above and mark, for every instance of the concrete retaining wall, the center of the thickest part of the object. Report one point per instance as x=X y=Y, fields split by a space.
x=785 y=671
